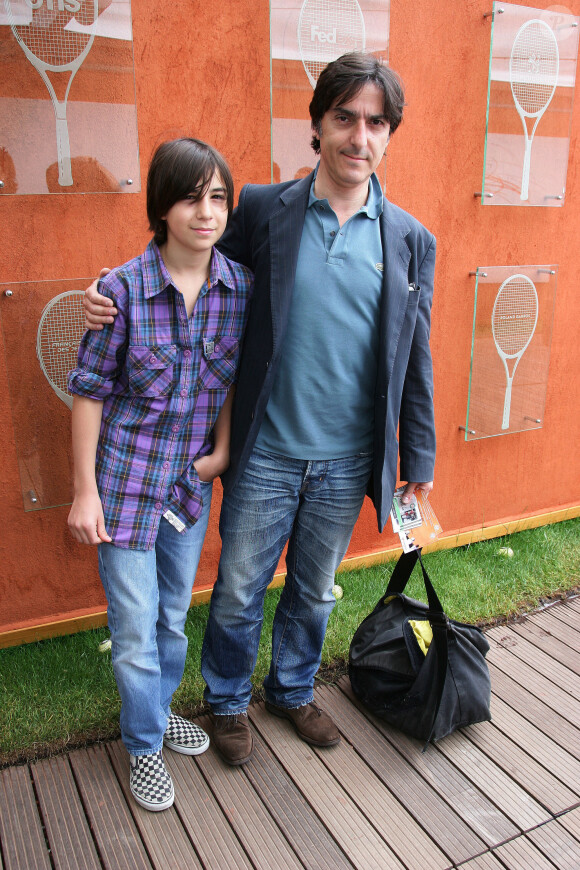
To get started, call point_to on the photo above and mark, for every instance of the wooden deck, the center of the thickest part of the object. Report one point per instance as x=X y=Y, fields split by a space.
x=504 y=794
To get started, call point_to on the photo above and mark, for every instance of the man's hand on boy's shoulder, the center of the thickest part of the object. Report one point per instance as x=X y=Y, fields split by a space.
x=98 y=309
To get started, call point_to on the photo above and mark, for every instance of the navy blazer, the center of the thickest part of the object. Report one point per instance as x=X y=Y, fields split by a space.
x=264 y=234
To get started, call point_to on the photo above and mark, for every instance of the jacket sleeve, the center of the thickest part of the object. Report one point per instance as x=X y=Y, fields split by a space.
x=417 y=419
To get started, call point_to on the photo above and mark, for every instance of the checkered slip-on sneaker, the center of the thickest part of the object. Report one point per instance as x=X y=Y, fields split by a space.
x=185 y=737
x=150 y=782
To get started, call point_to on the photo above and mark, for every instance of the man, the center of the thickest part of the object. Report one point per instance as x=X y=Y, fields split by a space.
x=336 y=356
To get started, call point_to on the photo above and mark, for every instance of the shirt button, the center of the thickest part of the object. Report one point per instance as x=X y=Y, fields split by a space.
x=333 y=234
x=152 y=359
x=187 y=354
x=183 y=393
x=158 y=505
x=175 y=427
x=166 y=465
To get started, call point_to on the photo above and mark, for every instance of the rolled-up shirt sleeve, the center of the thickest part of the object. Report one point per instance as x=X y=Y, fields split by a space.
x=102 y=353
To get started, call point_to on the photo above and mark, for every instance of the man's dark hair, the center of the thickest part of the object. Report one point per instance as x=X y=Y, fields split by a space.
x=178 y=168
x=341 y=81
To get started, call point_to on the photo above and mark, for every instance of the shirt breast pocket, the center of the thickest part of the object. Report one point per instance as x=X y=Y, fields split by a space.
x=219 y=363
x=150 y=369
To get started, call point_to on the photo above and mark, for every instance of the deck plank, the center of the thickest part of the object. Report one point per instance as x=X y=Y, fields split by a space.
x=163 y=835
x=522 y=854
x=557 y=844
x=203 y=819
x=71 y=843
x=568 y=612
x=565 y=633
x=483 y=862
x=521 y=646
x=542 y=687
x=374 y=799
x=21 y=835
x=424 y=800
x=560 y=730
x=309 y=836
x=523 y=769
x=571 y=821
x=114 y=830
x=494 y=807
x=349 y=827
x=496 y=784
x=529 y=736
x=259 y=836
x=547 y=642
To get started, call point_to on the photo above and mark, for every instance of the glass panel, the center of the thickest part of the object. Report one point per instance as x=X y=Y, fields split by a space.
x=68 y=121
x=510 y=352
x=304 y=37
x=532 y=73
x=42 y=324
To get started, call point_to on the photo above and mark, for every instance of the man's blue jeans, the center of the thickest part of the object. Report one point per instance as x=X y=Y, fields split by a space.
x=149 y=593
x=313 y=505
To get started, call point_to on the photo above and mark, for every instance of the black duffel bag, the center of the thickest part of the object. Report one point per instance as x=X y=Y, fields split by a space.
x=414 y=667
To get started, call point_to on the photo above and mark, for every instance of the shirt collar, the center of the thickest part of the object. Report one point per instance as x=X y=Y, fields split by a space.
x=153 y=267
x=373 y=207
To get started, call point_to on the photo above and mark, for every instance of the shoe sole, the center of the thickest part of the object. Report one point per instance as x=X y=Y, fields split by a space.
x=278 y=711
x=186 y=750
x=152 y=807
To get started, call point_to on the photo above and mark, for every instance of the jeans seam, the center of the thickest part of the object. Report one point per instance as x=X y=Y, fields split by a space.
x=291 y=604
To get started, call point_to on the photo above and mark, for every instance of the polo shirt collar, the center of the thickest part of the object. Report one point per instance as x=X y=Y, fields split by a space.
x=373 y=207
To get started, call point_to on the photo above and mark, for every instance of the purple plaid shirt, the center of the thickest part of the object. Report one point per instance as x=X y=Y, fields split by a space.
x=163 y=378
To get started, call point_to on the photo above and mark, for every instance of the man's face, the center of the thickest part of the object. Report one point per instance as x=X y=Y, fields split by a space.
x=353 y=137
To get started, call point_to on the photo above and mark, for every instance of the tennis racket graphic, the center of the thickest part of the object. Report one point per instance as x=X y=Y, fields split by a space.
x=327 y=29
x=513 y=323
x=534 y=66
x=61 y=327
x=53 y=48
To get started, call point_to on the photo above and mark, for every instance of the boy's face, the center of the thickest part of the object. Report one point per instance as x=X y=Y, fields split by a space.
x=195 y=225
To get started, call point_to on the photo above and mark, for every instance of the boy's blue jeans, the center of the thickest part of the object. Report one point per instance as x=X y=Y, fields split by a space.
x=313 y=505
x=149 y=593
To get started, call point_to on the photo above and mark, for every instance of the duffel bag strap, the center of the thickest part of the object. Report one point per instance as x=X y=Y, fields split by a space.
x=399 y=579
x=401 y=574
x=439 y=624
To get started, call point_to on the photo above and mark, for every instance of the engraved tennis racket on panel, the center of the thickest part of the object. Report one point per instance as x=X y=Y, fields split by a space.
x=327 y=29
x=51 y=44
x=513 y=323
x=534 y=67
x=61 y=327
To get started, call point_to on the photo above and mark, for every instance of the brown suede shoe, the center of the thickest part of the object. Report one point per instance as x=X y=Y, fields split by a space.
x=312 y=724
x=232 y=737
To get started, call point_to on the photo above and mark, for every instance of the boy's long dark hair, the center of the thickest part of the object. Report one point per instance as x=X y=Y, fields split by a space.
x=342 y=80
x=178 y=168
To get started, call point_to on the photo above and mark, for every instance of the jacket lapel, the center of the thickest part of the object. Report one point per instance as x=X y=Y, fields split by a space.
x=285 y=230
x=395 y=297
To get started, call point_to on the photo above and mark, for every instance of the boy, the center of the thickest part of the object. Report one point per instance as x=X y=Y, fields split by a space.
x=150 y=425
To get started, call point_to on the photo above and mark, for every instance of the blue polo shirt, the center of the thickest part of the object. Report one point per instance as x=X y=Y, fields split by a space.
x=322 y=400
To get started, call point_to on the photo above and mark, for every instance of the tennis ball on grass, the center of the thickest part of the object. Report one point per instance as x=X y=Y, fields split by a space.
x=506 y=552
x=337 y=591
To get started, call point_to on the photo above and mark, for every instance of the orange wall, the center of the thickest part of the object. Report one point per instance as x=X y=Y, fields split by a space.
x=208 y=75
